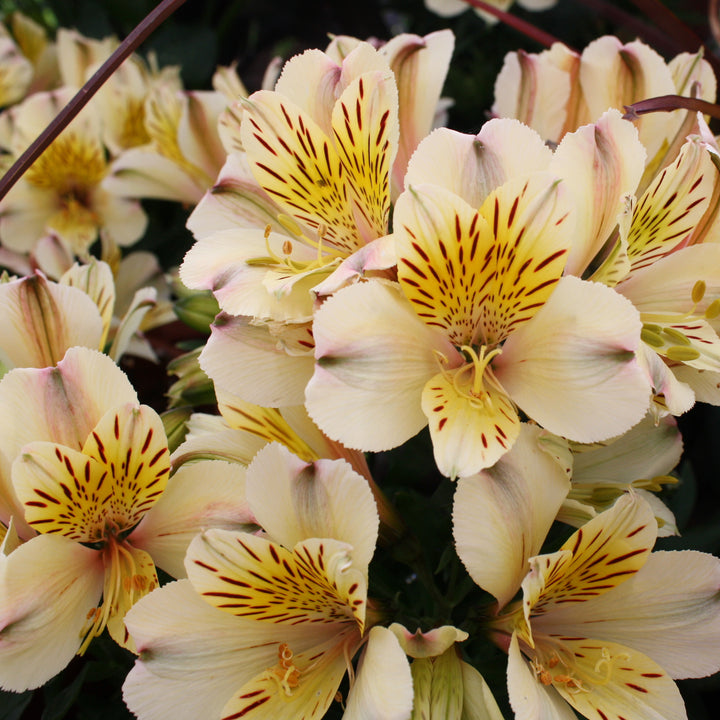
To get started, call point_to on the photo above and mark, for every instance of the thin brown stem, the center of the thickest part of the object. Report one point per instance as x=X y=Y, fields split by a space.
x=526 y=28
x=667 y=103
x=82 y=97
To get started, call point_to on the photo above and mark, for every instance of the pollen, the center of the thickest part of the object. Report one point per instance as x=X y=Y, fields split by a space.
x=72 y=165
x=285 y=673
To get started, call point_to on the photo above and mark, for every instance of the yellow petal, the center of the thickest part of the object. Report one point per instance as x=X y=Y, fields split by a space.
x=249 y=576
x=470 y=431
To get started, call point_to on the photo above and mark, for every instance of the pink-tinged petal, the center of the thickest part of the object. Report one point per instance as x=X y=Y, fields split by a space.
x=501 y=516
x=60 y=404
x=601 y=555
x=144 y=173
x=669 y=610
x=427 y=644
x=313 y=80
x=235 y=200
x=192 y=657
x=294 y=500
x=374 y=355
x=471 y=428
x=48 y=586
x=277 y=361
x=573 y=368
x=236 y=265
x=383 y=686
x=420 y=65
x=613 y=75
x=201 y=495
x=535 y=89
x=529 y=698
x=472 y=166
x=602 y=163
x=42 y=319
x=376 y=255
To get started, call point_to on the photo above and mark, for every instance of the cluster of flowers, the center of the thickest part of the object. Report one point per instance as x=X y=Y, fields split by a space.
x=544 y=296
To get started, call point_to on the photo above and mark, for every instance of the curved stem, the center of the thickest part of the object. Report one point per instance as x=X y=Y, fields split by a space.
x=82 y=97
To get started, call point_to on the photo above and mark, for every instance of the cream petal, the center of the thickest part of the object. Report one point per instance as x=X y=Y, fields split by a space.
x=669 y=610
x=420 y=65
x=671 y=395
x=374 y=355
x=271 y=377
x=602 y=163
x=234 y=264
x=24 y=213
x=294 y=500
x=648 y=449
x=123 y=220
x=383 y=686
x=144 y=173
x=502 y=515
x=535 y=90
x=705 y=385
x=478 y=700
x=614 y=75
x=192 y=657
x=573 y=369
x=60 y=404
x=480 y=163
x=48 y=586
x=666 y=285
x=143 y=302
x=42 y=319
x=236 y=200
x=531 y=700
x=205 y=494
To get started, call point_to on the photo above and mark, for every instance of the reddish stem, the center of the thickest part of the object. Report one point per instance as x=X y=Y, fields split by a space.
x=667 y=103
x=82 y=97
x=515 y=22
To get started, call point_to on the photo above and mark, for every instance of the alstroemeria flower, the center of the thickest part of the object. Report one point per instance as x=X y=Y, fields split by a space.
x=325 y=159
x=61 y=195
x=266 y=625
x=448 y=8
x=604 y=624
x=94 y=486
x=484 y=322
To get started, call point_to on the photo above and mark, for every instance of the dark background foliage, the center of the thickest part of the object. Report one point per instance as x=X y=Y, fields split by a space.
x=434 y=588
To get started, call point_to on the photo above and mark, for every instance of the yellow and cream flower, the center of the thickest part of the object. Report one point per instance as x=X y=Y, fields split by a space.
x=267 y=624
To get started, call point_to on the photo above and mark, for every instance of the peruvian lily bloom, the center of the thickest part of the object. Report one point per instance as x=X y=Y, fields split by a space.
x=267 y=624
x=92 y=499
x=325 y=160
x=61 y=196
x=482 y=321
x=604 y=624
x=448 y=8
